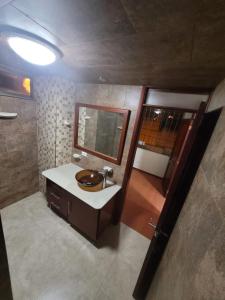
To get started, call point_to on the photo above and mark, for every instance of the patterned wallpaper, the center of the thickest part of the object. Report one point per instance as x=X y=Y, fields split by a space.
x=56 y=98
x=81 y=128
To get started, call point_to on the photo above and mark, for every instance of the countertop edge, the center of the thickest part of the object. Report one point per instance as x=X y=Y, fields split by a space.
x=102 y=203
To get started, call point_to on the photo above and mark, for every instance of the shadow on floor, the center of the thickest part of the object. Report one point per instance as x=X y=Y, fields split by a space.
x=110 y=237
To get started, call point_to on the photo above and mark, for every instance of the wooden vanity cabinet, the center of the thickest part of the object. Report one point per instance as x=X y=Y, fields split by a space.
x=83 y=217
x=57 y=199
x=87 y=220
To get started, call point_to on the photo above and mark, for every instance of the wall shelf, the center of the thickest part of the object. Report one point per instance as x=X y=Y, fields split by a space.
x=7 y=115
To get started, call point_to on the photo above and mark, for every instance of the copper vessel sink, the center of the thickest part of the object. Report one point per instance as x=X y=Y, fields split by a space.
x=90 y=180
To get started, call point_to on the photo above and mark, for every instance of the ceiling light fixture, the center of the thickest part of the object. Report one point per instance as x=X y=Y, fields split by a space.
x=32 y=48
x=158 y=111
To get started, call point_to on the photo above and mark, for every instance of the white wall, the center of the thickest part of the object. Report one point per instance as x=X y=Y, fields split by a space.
x=191 y=101
x=151 y=162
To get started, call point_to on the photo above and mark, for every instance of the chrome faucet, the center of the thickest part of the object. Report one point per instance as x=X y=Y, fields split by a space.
x=106 y=171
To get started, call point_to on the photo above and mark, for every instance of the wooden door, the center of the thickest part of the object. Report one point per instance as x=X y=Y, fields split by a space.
x=198 y=139
x=183 y=144
x=182 y=135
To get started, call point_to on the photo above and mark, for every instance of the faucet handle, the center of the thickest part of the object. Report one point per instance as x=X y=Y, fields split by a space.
x=108 y=170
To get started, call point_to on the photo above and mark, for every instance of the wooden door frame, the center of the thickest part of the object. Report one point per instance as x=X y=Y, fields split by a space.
x=198 y=116
x=137 y=126
x=173 y=152
x=172 y=209
x=131 y=155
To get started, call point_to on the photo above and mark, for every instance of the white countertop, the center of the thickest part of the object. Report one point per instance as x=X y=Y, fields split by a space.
x=64 y=176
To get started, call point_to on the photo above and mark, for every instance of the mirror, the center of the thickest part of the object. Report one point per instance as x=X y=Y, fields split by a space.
x=101 y=130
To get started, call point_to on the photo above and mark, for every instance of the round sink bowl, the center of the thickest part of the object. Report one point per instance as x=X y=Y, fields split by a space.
x=90 y=180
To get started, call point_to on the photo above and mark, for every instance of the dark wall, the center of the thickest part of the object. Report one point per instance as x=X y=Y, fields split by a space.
x=18 y=150
x=193 y=265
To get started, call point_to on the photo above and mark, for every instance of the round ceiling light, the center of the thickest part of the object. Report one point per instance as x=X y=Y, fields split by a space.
x=34 y=51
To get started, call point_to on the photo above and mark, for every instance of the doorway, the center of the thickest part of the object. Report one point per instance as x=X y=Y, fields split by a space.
x=161 y=137
x=193 y=103
x=198 y=138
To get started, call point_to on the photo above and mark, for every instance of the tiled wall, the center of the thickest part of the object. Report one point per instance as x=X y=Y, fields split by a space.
x=55 y=101
x=193 y=265
x=56 y=98
x=18 y=150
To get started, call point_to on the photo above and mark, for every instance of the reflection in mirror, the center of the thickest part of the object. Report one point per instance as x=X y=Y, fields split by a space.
x=101 y=131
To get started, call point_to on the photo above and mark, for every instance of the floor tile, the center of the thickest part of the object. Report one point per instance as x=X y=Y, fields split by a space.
x=120 y=281
x=48 y=259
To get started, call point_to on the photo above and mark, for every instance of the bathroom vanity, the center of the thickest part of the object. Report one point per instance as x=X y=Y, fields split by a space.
x=88 y=212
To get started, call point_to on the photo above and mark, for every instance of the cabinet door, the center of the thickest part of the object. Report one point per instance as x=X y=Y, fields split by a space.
x=83 y=217
x=57 y=199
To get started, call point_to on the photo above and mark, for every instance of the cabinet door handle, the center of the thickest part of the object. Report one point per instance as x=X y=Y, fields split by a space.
x=54 y=195
x=52 y=204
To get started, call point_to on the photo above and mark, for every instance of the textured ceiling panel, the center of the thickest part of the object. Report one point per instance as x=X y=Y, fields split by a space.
x=11 y=16
x=79 y=20
x=160 y=15
x=209 y=41
x=161 y=43
x=133 y=50
x=4 y=2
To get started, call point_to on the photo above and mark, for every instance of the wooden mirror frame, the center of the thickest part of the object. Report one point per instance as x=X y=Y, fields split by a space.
x=126 y=117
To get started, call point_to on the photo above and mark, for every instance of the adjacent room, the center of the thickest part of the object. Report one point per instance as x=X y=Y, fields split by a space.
x=164 y=127
x=112 y=150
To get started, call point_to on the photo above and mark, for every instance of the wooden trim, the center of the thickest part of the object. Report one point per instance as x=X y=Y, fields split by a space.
x=11 y=95
x=209 y=101
x=13 y=75
x=104 y=108
x=14 y=71
x=99 y=154
x=193 y=127
x=173 y=175
x=188 y=110
x=147 y=173
x=186 y=148
x=131 y=155
x=126 y=118
x=183 y=90
x=135 y=136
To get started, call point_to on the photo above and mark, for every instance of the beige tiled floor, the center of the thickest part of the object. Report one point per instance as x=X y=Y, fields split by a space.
x=49 y=260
